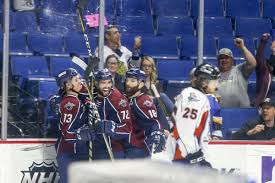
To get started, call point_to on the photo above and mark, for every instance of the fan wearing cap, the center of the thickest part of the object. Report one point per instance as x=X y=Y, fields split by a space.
x=113 y=46
x=264 y=71
x=234 y=79
x=261 y=129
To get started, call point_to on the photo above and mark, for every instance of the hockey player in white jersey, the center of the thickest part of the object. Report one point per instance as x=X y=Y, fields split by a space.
x=191 y=118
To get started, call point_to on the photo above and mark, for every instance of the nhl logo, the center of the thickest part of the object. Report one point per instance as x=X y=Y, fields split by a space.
x=42 y=172
x=148 y=103
x=122 y=103
x=69 y=106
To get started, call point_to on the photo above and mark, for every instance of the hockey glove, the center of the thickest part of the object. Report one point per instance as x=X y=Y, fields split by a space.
x=156 y=141
x=86 y=134
x=106 y=126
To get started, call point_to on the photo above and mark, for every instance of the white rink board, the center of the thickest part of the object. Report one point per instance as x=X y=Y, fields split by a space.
x=34 y=160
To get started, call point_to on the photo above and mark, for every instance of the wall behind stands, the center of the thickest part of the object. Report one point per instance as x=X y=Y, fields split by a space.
x=33 y=160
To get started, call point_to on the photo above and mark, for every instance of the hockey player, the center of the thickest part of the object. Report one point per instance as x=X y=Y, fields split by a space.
x=147 y=127
x=112 y=105
x=72 y=145
x=192 y=117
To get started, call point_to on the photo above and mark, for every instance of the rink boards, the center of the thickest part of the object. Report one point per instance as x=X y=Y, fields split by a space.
x=33 y=160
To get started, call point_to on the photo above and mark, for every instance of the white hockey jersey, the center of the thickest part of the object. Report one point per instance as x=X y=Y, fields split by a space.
x=191 y=118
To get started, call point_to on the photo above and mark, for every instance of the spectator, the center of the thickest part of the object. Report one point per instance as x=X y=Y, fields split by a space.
x=111 y=64
x=264 y=71
x=113 y=46
x=234 y=79
x=261 y=129
x=161 y=100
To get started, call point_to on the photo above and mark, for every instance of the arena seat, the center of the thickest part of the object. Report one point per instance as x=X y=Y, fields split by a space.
x=133 y=8
x=46 y=44
x=160 y=46
x=180 y=26
x=136 y=25
x=243 y=8
x=217 y=27
x=110 y=7
x=60 y=6
x=59 y=64
x=233 y=118
x=212 y=8
x=18 y=44
x=23 y=21
x=75 y=44
x=252 y=27
x=229 y=43
x=268 y=8
x=178 y=8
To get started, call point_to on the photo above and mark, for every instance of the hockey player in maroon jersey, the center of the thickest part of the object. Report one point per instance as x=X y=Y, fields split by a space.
x=146 y=124
x=114 y=106
x=72 y=145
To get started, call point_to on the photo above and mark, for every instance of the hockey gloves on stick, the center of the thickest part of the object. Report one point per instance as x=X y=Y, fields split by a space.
x=86 y=134
x=106 y=126
x=156 y=141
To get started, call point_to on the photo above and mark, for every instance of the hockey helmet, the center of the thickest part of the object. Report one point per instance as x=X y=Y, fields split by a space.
x=64 y=76
x=207 y=71
x=103 y=74
x=136 y=73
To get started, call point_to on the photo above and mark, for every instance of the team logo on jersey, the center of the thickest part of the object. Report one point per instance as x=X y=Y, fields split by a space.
x=69 y=106
x=42 y=172
x=122 y=103
x=148 y=103
x=193 y=98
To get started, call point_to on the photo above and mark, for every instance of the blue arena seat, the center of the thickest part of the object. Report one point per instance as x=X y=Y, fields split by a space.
x=212 y=8
x=46 y=44
x=160 y=46
x=175 y=26
x=233 y=118
x=136 y=25
x=75 y=44
x=59 y=23
x=189 y=47
x=252 y=27
x=243 y=8
x=59 y=6
x=29 y=66
x=18 y=44
x=110 y=7
x=133 y=8
x=268 y=8
x=217 y=27
x=179 y=70
x=23 y=21
x=178 y=8
x=59 y=64
x=229 y=43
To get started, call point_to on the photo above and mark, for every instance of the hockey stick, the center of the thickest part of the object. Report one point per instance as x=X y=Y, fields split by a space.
x=80 y=4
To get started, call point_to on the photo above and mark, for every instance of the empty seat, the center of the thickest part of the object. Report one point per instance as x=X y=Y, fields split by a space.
x=177 y=70
x=29 y=66
x=178 y=8
x=110 y=7
x=268 y=8
x=133 y=8
x=189 y=47
x=252 y=27
x=59 y=6
x=59 y=23
x=212 y=8
x=75 y=44
x=18 y=44
x=233 y=118
x=217 y=27
x=136 y=24
x=229 y=43
x=59 y=64
x=160 y=47
x=46 y=44
x=243 y=8
x=23 y=21
x=175 y=26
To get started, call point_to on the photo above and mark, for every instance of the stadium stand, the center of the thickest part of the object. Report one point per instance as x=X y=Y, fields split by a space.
x=60 y=6
x=268 y=8
x=212 y=8
x=133 y=8
x=23 y=21
x=217 y=27
x=18 y=44
x=243 y=8
x=178 y=8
